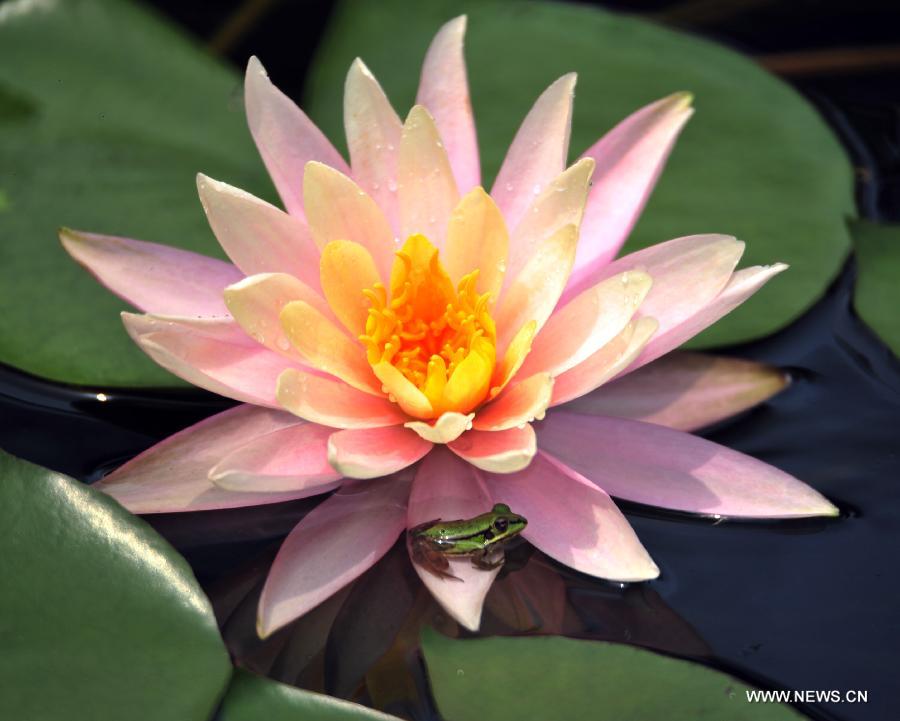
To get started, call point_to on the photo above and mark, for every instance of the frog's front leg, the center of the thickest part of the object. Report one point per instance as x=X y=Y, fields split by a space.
x=488 y=559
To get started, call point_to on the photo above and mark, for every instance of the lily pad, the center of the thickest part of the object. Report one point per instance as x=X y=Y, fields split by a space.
x=101 y=618
x=553 y=677
x=756 y=160
x=106 y=116
x=251 y=698
x=877 y=293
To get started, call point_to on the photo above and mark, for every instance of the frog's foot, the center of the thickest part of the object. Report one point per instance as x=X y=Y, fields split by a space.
x=488 y=562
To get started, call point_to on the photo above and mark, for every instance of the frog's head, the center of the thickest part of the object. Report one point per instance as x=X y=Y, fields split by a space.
x=504 y=523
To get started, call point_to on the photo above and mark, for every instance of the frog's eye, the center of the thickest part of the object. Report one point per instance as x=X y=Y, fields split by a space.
x=501 y=525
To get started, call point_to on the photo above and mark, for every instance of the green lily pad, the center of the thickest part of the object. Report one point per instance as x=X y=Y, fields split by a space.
x=550 y=677
x=101 y=618
x=877 y=294
x=106 y=116
x=755 y=161
x=252 y=698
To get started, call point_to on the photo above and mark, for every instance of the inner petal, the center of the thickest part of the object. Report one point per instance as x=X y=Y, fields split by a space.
x=441 y=339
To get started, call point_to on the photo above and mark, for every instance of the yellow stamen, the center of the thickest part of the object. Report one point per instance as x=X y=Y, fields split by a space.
x=442 y=340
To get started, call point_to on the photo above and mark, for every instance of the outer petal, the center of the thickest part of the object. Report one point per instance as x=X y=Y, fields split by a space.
x=256 y=303
x=427 y=191
x=153 y=278
x=211 y=353
x=561 y=203
x=444 y=90
x=687 y=274
x=338 y=209
x=448 y=427
x=373 y=138
x=521 y=403
x=333 y=545
x=286 y=138
x=685 y=391
x=325 y=347
x=373 y=452
x=172 y=475
x=650 y=464
x=288 y=459
x=446 y=488
x=534 y=293
x=477 y=238
x=497 y=451
x=573 y=521
x=257 y=236
x=742 y=285
x=629 y=159
x=580 y=329
x=333 y=403
x=538 y=152
x=606 y=363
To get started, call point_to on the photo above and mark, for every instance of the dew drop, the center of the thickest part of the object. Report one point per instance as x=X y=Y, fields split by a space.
x=509 y=187
x=376 y=186
x=392 y=186
x=283 y=343
x=536 y=189
x=390 y=146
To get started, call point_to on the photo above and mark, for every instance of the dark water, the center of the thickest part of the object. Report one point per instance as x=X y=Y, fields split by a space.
x=791 y=604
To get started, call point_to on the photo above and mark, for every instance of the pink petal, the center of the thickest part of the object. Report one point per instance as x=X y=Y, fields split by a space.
x=687 y=274
x=559 y=204
x=333 y=545
x=427 y=192
x=332 y=402
x=520 y=403
x=497 y=451
x=606 y=363
x=741 y=286
x=257 y=236
x=444 y=90
x=373 y=138
x=151 y=277
x=286 y=138
x=256 y=303
x=573 y=521
x=447 y=488
x=211 y=353
x=172 y=475
x=629 y=159
x=685 y=391
x=288 y=459
x=538 y=152
x=338 y=209
x=661 y=467
x=373 y=452
x=580 y=329
x=533 y=294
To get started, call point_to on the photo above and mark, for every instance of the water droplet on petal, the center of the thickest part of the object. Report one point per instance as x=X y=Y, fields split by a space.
x=509 y=187
x=283 y=343
x=536 y=189
x=392 y=186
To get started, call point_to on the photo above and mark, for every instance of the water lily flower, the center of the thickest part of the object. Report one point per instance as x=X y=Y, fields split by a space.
x=428 y=348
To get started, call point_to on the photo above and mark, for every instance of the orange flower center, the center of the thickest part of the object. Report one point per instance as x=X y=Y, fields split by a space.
x=441 y=339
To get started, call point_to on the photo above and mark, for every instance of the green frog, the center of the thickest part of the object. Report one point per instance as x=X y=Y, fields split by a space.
x=481 y=538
